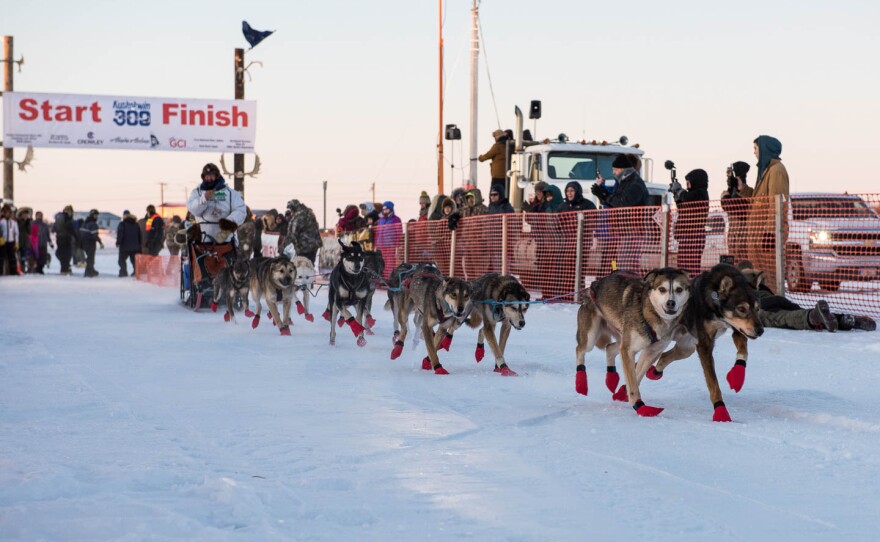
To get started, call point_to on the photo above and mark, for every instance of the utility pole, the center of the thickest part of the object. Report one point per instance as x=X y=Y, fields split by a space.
x=475 y=58
x=440 y=82
x=373 y=188
x=162 y=194
x=8 y=186
x=238 y=161
x=325 y=205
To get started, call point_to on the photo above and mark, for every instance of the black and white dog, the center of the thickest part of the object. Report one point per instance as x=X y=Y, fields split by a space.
x=350 y=286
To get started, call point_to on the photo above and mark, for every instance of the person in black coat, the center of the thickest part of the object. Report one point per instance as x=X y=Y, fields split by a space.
x=497 y=203
x=690 y=228
x=89 y=239
x=627 y=227
x=128 y=239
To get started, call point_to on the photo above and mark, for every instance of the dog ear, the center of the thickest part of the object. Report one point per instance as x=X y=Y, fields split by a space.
x=651 y=275
x=759 y=279
x=343 y=245
x=725 y=286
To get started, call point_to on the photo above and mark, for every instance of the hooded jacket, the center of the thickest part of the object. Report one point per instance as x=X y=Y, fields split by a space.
x=772 y=175
x=302 y=230
x=388 y=230
x=478 y=208
x=350 y=220
x=578 y=202
x=128 y=235
x=227 y=203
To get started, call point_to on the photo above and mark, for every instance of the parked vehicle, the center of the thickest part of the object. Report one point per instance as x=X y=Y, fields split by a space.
x=831 y=238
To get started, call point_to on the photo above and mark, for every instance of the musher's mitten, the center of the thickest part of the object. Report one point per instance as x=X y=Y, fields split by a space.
x=599 y=191
x=228 y=225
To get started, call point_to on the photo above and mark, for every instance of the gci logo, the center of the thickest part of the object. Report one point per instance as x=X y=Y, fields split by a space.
x=177 y=143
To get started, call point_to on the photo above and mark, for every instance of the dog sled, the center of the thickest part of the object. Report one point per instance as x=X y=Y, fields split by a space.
x=200 y=262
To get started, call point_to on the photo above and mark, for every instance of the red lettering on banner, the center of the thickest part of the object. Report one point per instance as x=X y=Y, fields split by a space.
x=180 y=114
x=59 y=113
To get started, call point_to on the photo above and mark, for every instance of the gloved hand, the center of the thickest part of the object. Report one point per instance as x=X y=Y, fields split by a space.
x=222 y=236
x=453 y=221
x=599 y=191
x=675 y=188
x=228 y=225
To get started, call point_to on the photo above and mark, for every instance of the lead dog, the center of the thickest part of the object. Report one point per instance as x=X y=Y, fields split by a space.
x=231 y=282
x=272 y=281
x=497 y=299
x=627 y=314
x=721 y=298
x=445 y=303
x=350 y=285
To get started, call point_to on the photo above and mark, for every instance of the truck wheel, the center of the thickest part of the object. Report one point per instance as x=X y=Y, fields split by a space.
x=830 y=285
x=794 y=272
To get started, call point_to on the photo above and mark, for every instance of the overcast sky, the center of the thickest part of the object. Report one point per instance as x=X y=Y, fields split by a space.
x=348 y=90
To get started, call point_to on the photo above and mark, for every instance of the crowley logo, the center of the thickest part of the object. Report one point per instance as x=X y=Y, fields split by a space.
x=90 y=141
x=176 y=143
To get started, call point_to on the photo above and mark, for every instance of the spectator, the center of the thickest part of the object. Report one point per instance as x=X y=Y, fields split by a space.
x=735 y=202
x=627 y=228
x=472 y=235
x=155 y=227
x=25 y=251
x=780 y=312
x=424 y=204
x=690 y=229
x=772 y=181
x=349 y=222
x=498 y=156
x=218 y=209
x=89 y=239
x=64 y=238
x=303 y=231
x=497 y=203
x=40 y=241
x=8 y=242
x=575 y=200
x=536 y=203
x=552 y=199
x=435 y=211
x=366 y=207
x=388 y=235
x=458 y=197
x=79 y=255
x=170 y=233
x=128 y=239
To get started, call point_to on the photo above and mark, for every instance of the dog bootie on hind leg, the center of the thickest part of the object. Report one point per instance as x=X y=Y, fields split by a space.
x=310 y=317
x=249 y=313
x=721 y=414
x=397 y=350
x=620 y=395
x=285 y=330
x=356 y=328
x=370 y=321
x=504 y=370
x=445 y=343
x=736 y=377
x=213 y=306
x=299 y=308
x=612 y=379
x=480 y=352
x=580 y=380
x=653 y=373
x=255 y=322
x=646 y=411
x=326 y=315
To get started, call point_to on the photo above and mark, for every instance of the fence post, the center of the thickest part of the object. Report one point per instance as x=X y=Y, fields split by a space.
x=406 y=242
x=451 y=255
x=579 y=257
x=664 y=235
x=780 y=244
x=504 y=270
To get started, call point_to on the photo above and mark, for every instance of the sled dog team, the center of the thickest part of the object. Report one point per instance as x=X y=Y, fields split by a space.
x=623 y=314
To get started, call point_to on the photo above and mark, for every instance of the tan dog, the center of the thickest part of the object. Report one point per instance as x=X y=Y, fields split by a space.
x=497 y=299
x=627 y=314
x=272 y=280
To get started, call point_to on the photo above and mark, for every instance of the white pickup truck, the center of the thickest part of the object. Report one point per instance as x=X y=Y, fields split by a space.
x=831 y=238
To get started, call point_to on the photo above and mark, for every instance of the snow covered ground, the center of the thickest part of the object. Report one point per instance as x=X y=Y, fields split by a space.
x=124 y=416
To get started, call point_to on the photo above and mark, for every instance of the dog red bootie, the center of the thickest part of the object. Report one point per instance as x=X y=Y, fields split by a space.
x=647 y=411
x=612 y=379
x=370 y=320
x=654 y=374
x=285 y=330
x=580 y=380
x=299 y=308
x=426 y=364
x=227 y=317
x=340 y=321
x=721 y=414
x=310 y=317
x=504 y=370
x=356 y=328
x=445 y=343
x=213 y=307
x=255 y=322
x=249 y=313
x=480 y=352
x=326 y=315
x=736 y=377
x=440 y=370
x=620 y=395
x=397 y=350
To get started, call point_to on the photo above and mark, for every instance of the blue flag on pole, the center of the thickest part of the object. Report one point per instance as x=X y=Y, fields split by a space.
x=254 y=37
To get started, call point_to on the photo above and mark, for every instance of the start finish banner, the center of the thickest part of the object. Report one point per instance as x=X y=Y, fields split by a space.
x=74 y=121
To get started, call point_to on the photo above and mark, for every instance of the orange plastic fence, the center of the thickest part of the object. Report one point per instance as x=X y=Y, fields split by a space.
x=829 y=246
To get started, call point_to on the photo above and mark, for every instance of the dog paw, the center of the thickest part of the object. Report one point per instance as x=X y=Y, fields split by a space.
x=736 y=377
x=620 y=394
x=299 y=308
x=310 y=317
x=213 y=307
x=654 y=374
x=362 y=341
x=326 y=315
x=227 y=317
x=356 y=328
x=612 y=379
x=646 y=411
x=285 y=330
x=479 y=353
x=255 y=322
x=580 y=381
x=340 y=322
x=440 y=370
x=426 y=364
x=445 y=343
x=332 y=342
x=370 y=321
x=397 y=350
x=506 y=371
x=721 y=414
x=249 y=313
x=369 y=331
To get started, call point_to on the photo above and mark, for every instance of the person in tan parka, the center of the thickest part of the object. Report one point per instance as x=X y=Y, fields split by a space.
x=498 y=154
x=772 y=181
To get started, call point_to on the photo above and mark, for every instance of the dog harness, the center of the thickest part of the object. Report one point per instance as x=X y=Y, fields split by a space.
x=648 y=329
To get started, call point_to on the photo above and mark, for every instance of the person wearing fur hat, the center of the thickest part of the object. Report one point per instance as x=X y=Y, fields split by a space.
x=736 y=204
x=128 y=239
x=690 y=228
x=498 y=156
x=63 y=228
x=772 y=180
x=218 y=209
x=303 y=231
x=627 y=228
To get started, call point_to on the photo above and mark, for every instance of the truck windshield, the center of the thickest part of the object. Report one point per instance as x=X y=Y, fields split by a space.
x=825 y=207
x=571 y=165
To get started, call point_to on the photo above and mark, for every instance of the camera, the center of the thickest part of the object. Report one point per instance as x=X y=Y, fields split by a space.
x=732 y=183
x=339 y=211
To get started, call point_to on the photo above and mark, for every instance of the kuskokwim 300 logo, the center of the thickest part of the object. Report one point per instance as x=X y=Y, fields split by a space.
x=131 y=113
